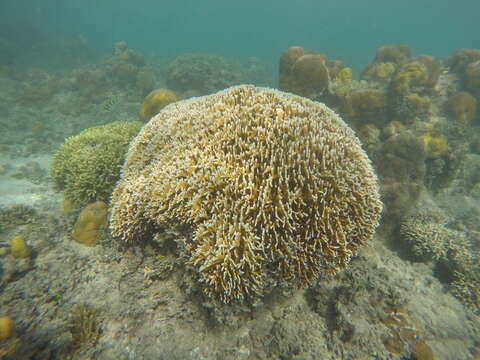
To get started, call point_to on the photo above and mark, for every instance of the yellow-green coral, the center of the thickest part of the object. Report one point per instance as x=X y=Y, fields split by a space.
x=414 y=73
x=434 y=146
x=90 y=224
x=344 y=76
x=276 y=189
x=8 y=340
x=6 y=328
x=379 y=71
x=154 y=102
x=18 y=248
x=87 y=166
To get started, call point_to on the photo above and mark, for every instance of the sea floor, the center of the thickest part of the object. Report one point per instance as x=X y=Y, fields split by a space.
x=380 y=307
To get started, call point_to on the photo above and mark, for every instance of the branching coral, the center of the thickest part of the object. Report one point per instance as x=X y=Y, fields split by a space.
x=427 y=235
x=275 y=187
x=87 y=166
x=84 y=326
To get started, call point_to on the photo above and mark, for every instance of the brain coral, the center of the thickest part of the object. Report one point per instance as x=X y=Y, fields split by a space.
x=276 y=188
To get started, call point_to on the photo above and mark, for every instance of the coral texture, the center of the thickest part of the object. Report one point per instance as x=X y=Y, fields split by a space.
x=275 y=187
x=87 y=166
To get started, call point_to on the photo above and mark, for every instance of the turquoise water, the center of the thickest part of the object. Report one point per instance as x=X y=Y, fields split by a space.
x=345 y=30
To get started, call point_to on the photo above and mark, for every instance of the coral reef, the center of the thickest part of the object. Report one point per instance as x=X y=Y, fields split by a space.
x=6 y=328
x=197 y=74
x=8 y=340
x=410 y=76
x=466 y=63
x=369 y=105
x=154 y=102
x=303 y=72
x=145 y=80
x=124 y=65
x=18 y=248
x=472 y=77
x=276 y=188
x=396 y=54
x=84 y=326
x=461 y=58
x=87 y=166
x=15 y=215
x=379 y=72
x=461 y=106
x=90 y=224
x=434 y=146
x=427 y=235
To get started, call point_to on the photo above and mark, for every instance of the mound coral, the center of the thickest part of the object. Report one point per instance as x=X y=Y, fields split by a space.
x=461 y=59
x=461 y=106
x=396 y=54
x=379 y=72
x=310 y=76
x=6 y=328
x=90 y=224
x=418 y=75
x=87 y=166
x=434 y=146
x=472 y=77
x=369 y=105
x=303 y=73
x=411 y=75
x=276 y=189
x=154 y=102
x=18 y=248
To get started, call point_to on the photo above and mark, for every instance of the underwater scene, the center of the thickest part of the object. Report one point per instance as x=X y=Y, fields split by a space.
x=210 y=180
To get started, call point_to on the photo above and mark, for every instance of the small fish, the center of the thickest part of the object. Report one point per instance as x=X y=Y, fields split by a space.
x=110 y=103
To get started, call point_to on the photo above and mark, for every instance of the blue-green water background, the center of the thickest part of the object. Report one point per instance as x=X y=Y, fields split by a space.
x=349 y=30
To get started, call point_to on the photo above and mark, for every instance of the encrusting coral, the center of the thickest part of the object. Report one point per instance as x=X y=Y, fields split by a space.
x=276 y=188
x=87 y=166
